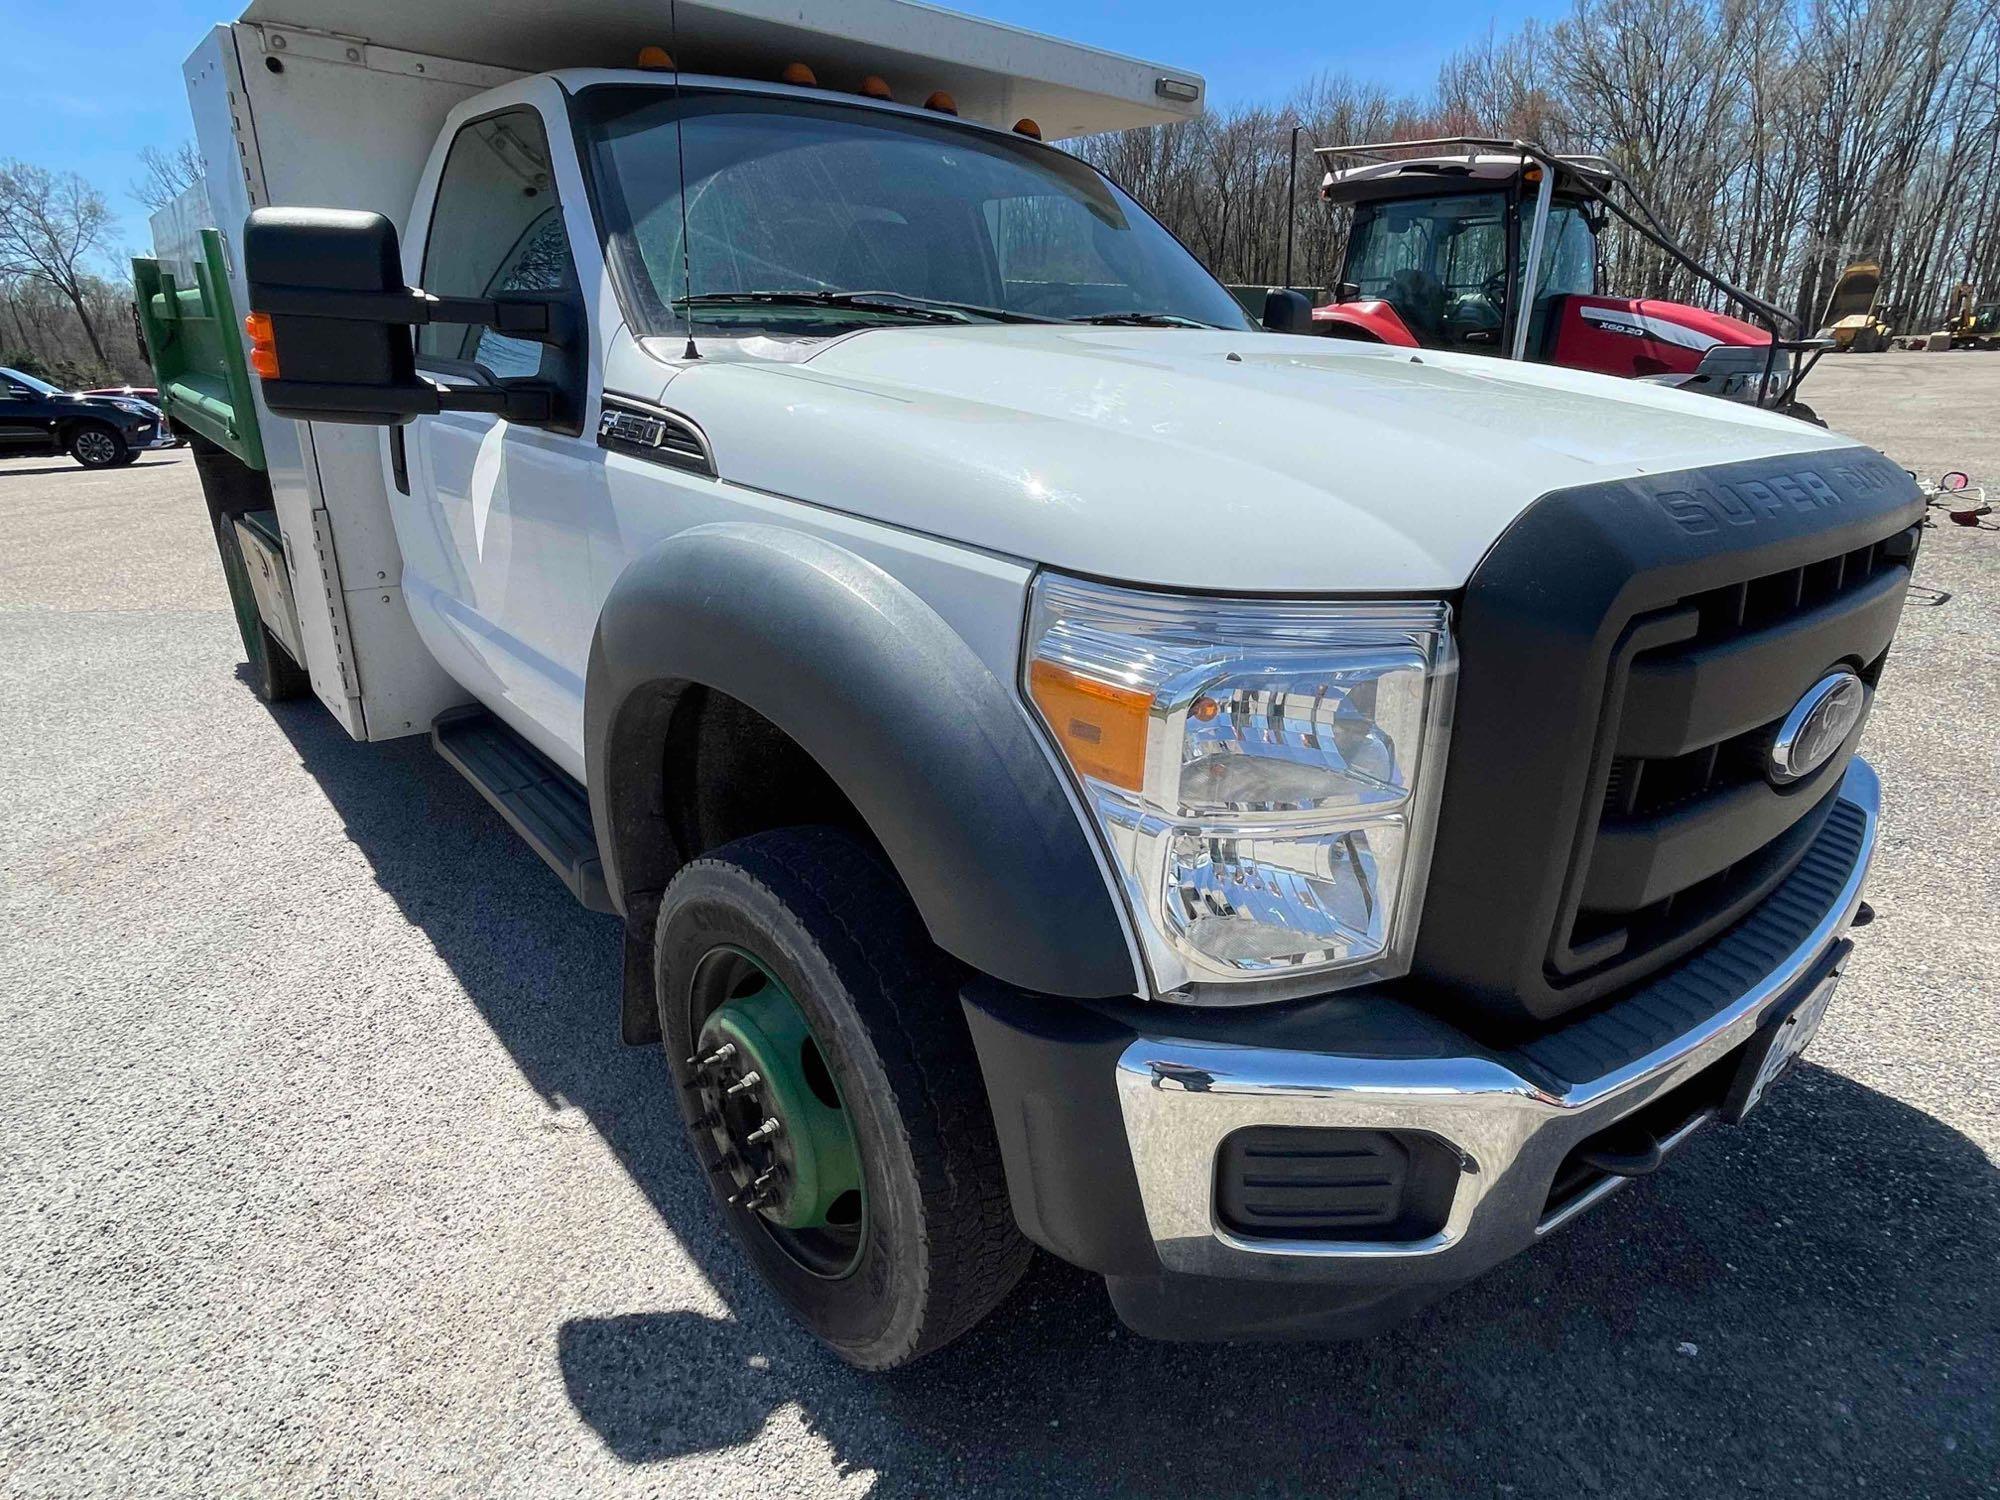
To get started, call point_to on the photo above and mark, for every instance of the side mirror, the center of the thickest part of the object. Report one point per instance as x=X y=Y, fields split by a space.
x=1347 y=291
x=1287 y=311
x=331 y=321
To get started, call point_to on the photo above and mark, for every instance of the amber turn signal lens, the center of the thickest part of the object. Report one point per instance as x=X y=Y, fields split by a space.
x=263 y=345
x=1101 y=725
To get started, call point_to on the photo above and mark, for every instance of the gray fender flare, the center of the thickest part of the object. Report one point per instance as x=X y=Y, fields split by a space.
x=932 y=749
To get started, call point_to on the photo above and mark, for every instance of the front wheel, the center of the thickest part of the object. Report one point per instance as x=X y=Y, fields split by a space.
x=829 y=1088
x=96 y=446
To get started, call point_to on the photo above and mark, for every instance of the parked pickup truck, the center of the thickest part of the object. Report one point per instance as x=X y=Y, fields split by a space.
x=1284 y=825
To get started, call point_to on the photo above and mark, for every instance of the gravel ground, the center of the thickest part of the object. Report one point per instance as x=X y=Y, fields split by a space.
x=321 y=1168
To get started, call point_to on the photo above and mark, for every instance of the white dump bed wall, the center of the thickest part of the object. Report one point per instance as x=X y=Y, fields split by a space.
x=996 y=73
x=327 y=131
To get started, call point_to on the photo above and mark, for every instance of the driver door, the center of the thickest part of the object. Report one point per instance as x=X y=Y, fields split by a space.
x=502 y=510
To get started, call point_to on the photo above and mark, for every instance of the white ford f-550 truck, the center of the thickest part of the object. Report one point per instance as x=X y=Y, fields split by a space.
x=1281 y=824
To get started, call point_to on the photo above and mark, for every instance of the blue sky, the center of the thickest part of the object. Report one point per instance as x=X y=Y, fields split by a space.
x=88 y=86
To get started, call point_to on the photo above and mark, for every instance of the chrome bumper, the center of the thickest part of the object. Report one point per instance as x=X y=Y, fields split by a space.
x=1181 y=1098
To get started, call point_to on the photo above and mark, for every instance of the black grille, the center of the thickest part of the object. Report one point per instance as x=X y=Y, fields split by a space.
x=1627 y=651
x=1642 y=786
x=1690 y=832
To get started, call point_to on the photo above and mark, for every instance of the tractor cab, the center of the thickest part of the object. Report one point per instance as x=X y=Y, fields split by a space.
x=1436 y=253
x=1491 y=247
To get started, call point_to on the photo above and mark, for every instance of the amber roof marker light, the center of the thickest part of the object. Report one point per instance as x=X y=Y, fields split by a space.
x=656 y=59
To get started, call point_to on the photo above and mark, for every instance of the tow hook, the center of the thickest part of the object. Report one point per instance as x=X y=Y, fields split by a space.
x=1634 y=1152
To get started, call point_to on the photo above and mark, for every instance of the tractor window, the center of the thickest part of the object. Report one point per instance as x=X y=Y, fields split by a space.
x=1440 y=262
x=1569 y=254
x=1569 y=265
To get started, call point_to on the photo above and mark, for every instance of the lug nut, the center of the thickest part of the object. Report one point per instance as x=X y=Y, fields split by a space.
x=763 y=1132
x=721 y=1054
x=744 y=1084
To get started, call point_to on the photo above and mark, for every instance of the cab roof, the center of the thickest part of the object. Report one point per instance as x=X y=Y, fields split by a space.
x=1423 y=175
x=996 y=74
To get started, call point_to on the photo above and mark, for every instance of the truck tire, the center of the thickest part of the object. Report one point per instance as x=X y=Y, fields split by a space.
x=95 y=445
x=274 y=676
x=917 y=1242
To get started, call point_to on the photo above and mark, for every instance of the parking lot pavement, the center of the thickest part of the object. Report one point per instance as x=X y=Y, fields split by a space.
x=321 y=1168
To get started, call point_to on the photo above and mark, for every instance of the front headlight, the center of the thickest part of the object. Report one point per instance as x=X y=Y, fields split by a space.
x=1264 y=773
x=137 y=408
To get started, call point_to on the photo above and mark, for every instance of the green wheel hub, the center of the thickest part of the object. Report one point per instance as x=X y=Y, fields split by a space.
x=771 y=1108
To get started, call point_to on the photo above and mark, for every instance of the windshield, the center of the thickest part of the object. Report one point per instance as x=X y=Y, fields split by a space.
x=40 y=386
x=1442 y=263
x=794 y=196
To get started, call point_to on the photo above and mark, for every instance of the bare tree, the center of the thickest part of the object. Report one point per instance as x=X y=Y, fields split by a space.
x=50 y=224
x=167 y=174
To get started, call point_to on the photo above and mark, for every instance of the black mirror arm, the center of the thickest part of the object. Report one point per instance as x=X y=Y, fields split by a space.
x=536 y=321
x=526 y=401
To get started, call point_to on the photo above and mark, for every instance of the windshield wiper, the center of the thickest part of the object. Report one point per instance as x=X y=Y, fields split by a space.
x=923 y=309
x=1143 y=320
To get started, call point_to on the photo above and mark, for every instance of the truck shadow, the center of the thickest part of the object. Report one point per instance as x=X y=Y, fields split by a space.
x=1809 y=1299
x=66 y=466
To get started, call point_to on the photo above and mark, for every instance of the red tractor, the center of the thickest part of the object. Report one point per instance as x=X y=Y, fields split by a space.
x=1492 y=248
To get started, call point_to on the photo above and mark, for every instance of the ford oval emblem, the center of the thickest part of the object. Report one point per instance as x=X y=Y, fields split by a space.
x=1818 y=725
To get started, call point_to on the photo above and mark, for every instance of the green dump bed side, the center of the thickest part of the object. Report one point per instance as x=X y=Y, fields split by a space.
x=196 y=346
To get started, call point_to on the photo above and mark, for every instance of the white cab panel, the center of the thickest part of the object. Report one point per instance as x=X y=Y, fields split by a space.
x=289 y=117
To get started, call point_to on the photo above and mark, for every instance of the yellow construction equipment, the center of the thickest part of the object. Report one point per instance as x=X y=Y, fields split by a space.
x=1972 y=325
x=1854 y=322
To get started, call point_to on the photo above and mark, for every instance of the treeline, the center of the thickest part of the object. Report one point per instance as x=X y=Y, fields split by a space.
x=65 y=309
x=42 y=333
x=1780 y=141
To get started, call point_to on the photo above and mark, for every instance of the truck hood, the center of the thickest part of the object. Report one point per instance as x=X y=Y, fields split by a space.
x=1197 y=459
